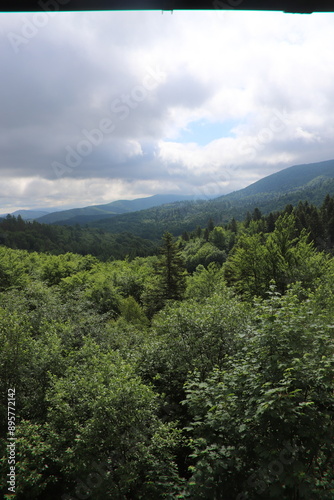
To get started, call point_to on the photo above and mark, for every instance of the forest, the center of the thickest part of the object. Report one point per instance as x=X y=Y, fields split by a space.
x=201 y=369
x=34 y=236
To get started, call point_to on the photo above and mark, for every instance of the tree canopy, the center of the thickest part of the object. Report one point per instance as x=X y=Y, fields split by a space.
x=202 y=371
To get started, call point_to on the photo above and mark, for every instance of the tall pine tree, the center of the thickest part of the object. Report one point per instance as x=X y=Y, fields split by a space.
x=171 y=270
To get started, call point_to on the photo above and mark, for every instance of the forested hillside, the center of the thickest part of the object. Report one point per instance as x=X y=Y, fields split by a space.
x=33 y=236
x=96 y=212
x=289 y=179
x=310 y=183
x=183 y=216
x=204 y=371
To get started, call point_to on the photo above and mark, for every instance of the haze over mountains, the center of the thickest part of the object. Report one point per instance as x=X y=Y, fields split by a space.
x=97 y=212
x=138 y=233
x=300 y=182
x=149 y=217
x=31 y=214
x=27 y=214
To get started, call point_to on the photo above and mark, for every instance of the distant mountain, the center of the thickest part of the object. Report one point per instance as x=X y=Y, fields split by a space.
x=27 y=214
x=287 y=180
x=98 y=212
x=150 y=217
x=289 y=186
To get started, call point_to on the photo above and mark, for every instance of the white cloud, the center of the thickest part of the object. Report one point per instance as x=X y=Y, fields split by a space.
x=151 y=76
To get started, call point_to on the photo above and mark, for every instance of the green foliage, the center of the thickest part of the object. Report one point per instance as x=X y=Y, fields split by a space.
x=152 y=296
x=130 y=277
x=34 y=469
x=100 y=408
x=171 y=270
x=138 y=380
x=199 y=252
x=15 y=346
x=188 y=337
x=132 y=312
x=218 y=238
x=281 y=256
x=204 y=282
x=58 y=267
x=129 y=339
x=262 y=426
x=246 y=266
x=102 y=296
x=57 y=239
x=12 y=270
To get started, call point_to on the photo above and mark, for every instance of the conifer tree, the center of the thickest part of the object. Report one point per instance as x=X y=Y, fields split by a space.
x=171 y=269
x=233 y=226
x=270 y=223
x=210 y=225
x=248 y=219
x=256 y=214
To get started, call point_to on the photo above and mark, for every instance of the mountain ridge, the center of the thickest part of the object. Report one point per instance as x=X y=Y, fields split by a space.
x=302 y=182
x=309 y=182
x=291 y=177
x=99 y=212
x=26 y=214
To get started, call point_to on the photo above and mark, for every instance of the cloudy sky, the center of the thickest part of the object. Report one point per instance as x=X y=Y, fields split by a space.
x=101 y=106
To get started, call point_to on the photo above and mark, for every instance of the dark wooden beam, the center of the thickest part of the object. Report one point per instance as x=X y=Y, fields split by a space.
x=297 y=6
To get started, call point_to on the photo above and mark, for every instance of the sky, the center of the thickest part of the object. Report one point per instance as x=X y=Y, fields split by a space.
x=101 y=106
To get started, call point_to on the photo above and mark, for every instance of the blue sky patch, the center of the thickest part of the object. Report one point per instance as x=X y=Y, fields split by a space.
x=203 y=132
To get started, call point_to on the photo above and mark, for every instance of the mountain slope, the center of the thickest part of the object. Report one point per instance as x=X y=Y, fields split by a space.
x=289 y=186
x=288 y=179
x=27 y=214
x=97 y=212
